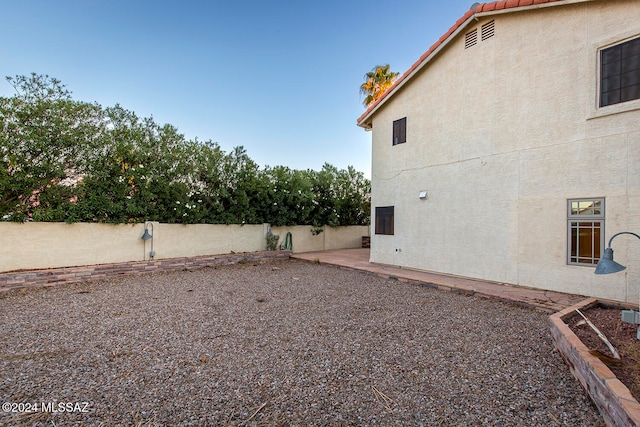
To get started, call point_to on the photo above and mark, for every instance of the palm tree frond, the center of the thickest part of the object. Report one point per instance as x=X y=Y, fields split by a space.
x=377 y=81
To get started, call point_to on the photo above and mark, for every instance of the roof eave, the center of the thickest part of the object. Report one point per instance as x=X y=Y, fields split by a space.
x=362 y=121
x=365 y=122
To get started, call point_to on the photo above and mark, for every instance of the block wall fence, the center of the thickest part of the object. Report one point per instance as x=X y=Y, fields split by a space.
x=37 y=245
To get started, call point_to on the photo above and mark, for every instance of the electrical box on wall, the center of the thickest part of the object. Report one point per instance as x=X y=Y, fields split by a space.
x=630 y=316
x=633 y=317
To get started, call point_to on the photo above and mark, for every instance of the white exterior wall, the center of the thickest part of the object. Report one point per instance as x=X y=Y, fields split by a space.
x=501 y=135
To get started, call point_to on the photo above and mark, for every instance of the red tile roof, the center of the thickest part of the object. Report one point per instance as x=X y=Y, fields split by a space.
x=479 y=8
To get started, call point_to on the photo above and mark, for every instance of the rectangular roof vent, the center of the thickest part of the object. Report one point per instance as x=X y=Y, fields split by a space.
x=470 y=39
x=488 y=30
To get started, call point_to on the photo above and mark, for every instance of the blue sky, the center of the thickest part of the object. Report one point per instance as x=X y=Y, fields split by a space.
x=278 y=77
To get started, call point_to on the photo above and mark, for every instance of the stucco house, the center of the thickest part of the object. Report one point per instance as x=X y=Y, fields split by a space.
x=510 y=151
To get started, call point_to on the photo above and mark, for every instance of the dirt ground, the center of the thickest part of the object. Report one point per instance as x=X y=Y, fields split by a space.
x=623 y=336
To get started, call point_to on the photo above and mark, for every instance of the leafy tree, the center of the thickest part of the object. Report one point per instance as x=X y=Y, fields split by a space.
x=141 y=173
x=64 y=160
x=342 y=197
x=352 y=194
x=44 y=135
x=377 y=81
x=289 y=196
x=227 y=185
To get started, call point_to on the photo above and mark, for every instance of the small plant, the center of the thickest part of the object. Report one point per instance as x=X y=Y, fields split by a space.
x=272 y=241
x=316 y=230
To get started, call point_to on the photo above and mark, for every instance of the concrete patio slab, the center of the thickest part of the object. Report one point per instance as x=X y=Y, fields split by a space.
x=358 y=259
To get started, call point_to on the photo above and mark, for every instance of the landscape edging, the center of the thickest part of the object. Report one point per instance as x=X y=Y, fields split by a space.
x=612 y=398
x=53 y=276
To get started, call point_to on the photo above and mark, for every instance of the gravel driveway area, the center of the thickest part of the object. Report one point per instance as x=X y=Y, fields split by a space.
x=279 y=343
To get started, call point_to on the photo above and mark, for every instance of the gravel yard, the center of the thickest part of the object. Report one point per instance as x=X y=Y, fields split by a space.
x=279 y=343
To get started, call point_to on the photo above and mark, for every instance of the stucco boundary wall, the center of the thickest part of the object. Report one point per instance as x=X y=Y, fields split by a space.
x=40 y=245
x=613 y=399
x=54 y=276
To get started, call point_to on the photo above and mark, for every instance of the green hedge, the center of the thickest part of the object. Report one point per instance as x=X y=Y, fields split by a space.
x=67 y=160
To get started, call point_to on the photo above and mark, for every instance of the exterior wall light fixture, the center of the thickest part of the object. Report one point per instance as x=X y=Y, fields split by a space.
x=606 y=265
x=146 y=236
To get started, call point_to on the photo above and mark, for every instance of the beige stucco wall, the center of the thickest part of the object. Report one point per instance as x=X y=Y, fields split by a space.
x=33 y=245
x=176 y=240
x=329 y=238
x=501 y=135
